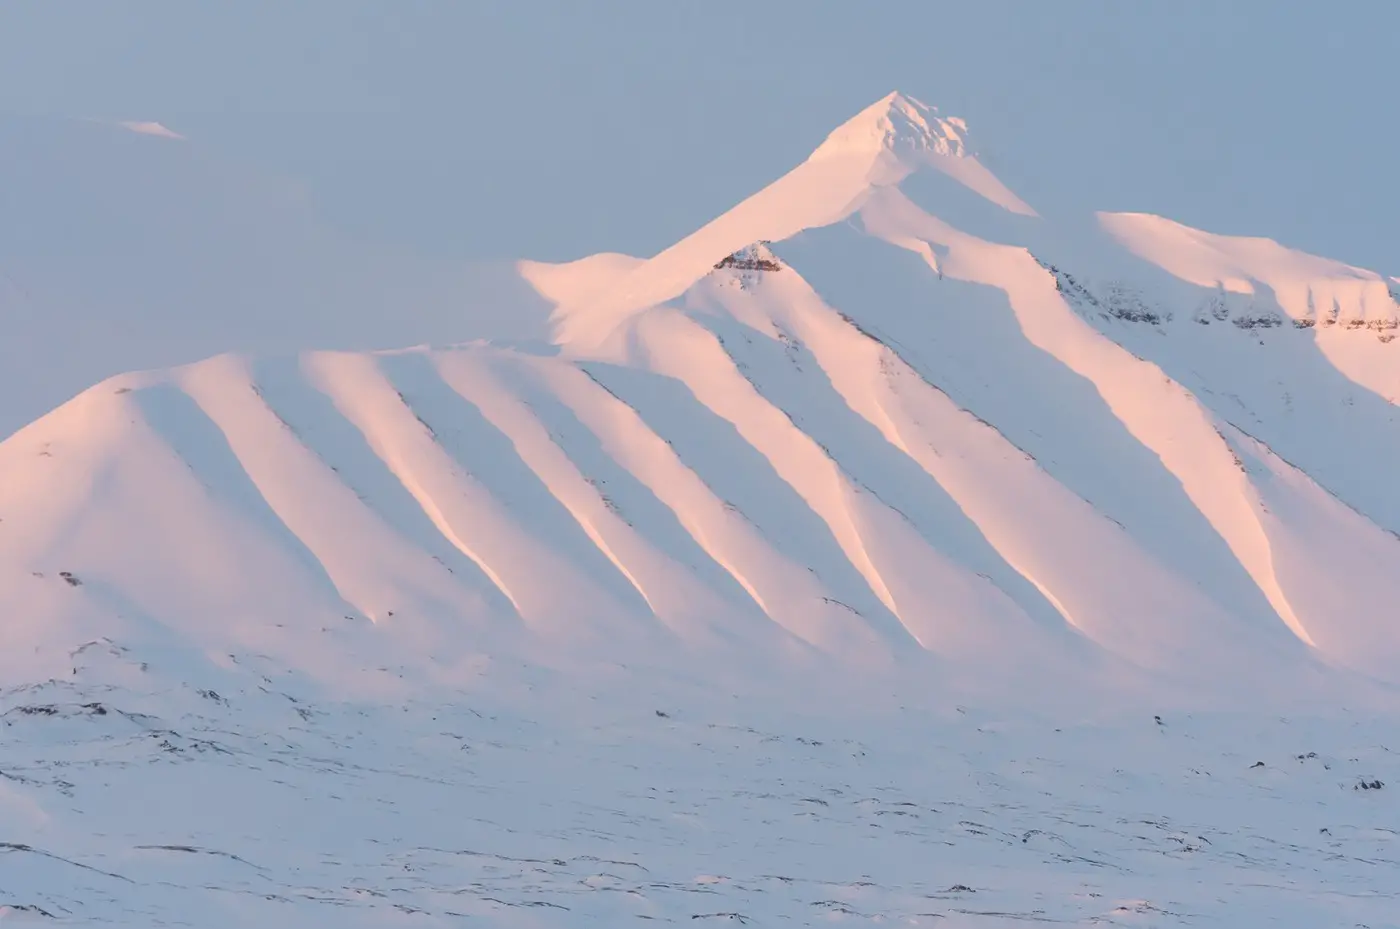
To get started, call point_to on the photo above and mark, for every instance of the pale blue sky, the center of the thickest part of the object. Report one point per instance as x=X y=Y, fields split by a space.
x=552 y=129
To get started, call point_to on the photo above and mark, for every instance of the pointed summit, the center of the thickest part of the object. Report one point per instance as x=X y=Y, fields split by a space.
x=877 y=148
x=900 y=125
x=897 y=135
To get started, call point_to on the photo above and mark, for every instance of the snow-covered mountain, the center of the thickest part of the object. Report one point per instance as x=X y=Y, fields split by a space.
x=880 y=436
x=836 y=419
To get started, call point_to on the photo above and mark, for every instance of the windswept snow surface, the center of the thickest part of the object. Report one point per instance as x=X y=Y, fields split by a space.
x=882 y=552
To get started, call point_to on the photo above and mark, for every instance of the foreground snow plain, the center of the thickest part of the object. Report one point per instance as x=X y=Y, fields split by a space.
x=259 y=807
x=883 y=552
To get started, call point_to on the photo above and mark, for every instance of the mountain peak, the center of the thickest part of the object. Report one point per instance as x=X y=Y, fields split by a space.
x=897 y=135
x=899 y=124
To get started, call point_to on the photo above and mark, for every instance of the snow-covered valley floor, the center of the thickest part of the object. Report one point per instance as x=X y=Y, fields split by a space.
x=257 y=807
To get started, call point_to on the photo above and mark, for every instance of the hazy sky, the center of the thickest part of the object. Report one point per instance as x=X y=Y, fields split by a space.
x=552 y=128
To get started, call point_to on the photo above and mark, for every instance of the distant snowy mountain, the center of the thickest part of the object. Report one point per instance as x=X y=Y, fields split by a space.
x=879 y=426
